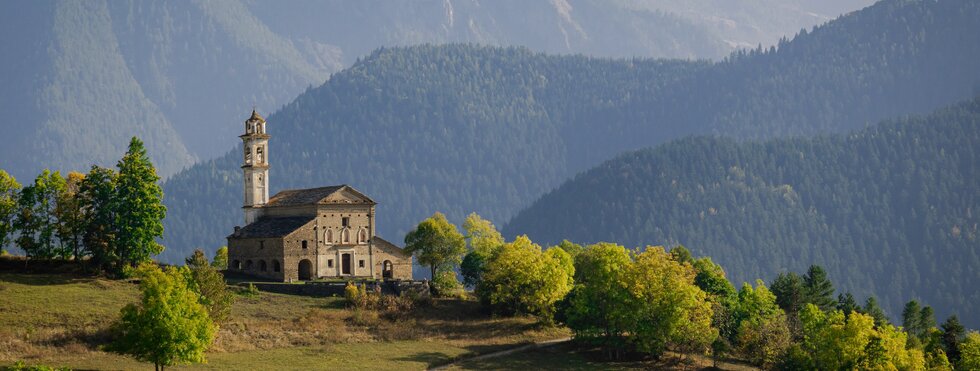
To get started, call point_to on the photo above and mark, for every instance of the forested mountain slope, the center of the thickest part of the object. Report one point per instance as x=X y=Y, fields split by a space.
x=82 y=77
x=461 y=128
x=890 y=211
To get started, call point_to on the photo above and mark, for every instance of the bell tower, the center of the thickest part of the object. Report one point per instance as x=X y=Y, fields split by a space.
x=255 y=166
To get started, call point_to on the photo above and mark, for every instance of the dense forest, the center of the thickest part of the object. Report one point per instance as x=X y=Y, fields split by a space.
x=890 y=211
x=89 y=75
x=462 y=128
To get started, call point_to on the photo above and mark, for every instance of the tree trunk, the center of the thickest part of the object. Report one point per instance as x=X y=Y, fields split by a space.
x=433 y=272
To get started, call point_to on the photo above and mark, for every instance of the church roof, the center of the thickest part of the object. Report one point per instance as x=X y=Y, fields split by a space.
x=272 y=227
x=340 y=194
x=385 y=245
x=256 y=116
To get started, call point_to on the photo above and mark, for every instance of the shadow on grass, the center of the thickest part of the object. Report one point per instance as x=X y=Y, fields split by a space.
x=44 y=279
x=431 y=359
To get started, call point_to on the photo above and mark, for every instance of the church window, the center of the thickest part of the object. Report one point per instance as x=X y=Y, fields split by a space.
x=262 y=266
x=248 y=265
x=329 y=263
x=248 y=155
x=304 y=244
x=345 y=235
x=329 y=236
x=345 y=222
x=261 y=244
x=362 y=237
x=360 y=263
x=275 y=266
x=259 y=155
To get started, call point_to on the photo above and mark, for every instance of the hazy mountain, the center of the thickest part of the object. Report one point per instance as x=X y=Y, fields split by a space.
x=82 y=77
x=461 y=128
x=889 y=211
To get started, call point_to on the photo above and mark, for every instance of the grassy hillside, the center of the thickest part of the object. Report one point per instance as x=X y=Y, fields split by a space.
x=462 y=128
x=890 y=211
x=55 y=319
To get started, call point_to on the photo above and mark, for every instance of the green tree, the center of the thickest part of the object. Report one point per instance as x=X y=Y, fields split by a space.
x=483 y=240
x=911 y=317
x=670 y=308
x=817 y=288
x=600 y=306
x=71 y=215
x=833 y=341
x=169 y=326
x=969 y=352
x=927 y=322
x=847 y=304
x=573 y=249
x=789 y=291
x=521 y=278
x=210 y=285
x=763 y=335
x=872 y=309
x=481 y=234
x=220 y=258
x=97 y=197
x=9 y=194
x=681 y=254
x=140 y=210
x=36 y=218
x=952 y=335
x=436 y=243
x=711 y=279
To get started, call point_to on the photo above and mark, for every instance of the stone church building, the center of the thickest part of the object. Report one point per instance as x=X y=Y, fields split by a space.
x=305 y=234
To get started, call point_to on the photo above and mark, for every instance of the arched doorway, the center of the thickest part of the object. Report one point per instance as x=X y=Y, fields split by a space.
x=305 y=270
x=387 y=270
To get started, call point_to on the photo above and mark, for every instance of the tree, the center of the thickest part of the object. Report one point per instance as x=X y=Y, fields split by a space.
x=481 y=234
x=71 y=215
x=521 y=278
x=483 y=240
x=817 y=288
x=436 y=243
x=36 y=218
x=789 y=291
x=168 y=326
x=681 y=254
x=711 y=279
x=600 y=306
x=97 y=198
x=927 y=321
x=952 y=335
x=911 y=317
x=763 y=335
x=872 y=309
x=220 y=258
x=833 y=341
x=9 y=194
x=970 y=352
x=847 y=304
x=669 y=309
x=140 y=210
x=573 y=249
x=210 y=284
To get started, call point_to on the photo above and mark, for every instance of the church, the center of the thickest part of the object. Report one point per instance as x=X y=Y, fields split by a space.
x=307 y=234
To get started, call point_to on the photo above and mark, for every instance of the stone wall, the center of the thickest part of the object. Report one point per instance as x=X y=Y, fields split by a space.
x=328 y=289
x=257 y=251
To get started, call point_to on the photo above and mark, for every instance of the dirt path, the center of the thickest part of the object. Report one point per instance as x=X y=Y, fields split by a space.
x=540 y=344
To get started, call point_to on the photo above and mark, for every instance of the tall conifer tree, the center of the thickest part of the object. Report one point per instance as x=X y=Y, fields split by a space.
x=140 y=210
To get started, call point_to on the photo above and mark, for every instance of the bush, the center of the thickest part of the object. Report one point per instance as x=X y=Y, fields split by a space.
x=519 y=278
x=446 y=285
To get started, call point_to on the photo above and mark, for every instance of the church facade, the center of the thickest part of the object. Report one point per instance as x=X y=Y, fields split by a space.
x=306 y=234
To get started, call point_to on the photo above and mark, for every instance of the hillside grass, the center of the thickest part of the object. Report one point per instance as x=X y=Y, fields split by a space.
x=64 y=320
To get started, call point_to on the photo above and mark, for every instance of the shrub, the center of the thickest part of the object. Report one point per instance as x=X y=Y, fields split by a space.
x=446 y=285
